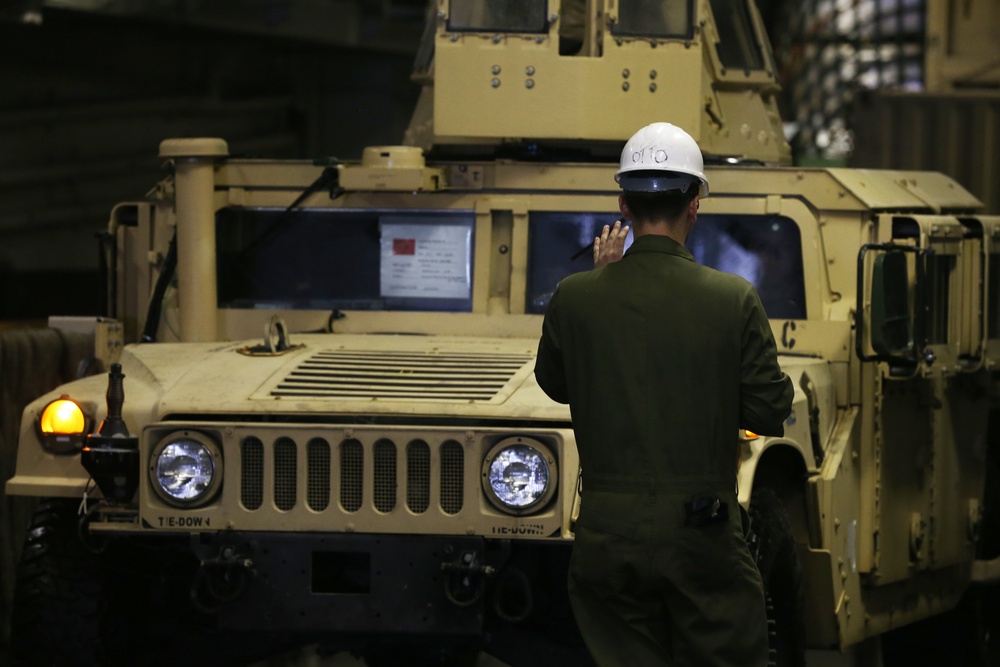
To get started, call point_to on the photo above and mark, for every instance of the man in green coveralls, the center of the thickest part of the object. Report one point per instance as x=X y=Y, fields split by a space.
x=662 y=361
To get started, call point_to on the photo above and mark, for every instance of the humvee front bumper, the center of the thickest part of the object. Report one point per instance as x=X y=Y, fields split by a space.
x=321 y=582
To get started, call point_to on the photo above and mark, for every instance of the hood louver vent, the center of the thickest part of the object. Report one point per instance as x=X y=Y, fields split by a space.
x=402 y=375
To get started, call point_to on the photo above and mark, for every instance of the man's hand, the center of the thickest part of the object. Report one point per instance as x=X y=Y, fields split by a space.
x=610 y=245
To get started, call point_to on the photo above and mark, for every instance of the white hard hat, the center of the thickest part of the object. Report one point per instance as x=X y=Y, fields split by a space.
x=662 y=147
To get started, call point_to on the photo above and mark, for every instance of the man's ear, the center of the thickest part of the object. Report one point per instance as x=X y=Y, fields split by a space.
x=693 y=208
x=623 y=207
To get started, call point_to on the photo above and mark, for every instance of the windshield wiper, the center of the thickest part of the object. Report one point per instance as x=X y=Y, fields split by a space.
x=328 y=180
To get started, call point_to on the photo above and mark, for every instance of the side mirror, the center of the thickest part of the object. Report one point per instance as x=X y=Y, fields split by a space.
x=891 y=316
x=884 y=298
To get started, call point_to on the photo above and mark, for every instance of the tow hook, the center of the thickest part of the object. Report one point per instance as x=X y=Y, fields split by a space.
x=465 y=579
x=220 y=579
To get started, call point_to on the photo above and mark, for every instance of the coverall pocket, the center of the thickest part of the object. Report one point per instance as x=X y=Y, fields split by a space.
x=595 y=553
x=709 y=555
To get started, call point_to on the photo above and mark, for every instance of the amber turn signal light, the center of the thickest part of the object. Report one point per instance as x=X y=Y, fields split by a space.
x=63 y=425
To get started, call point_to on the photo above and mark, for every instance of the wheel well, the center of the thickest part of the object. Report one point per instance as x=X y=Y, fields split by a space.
x=782 y=469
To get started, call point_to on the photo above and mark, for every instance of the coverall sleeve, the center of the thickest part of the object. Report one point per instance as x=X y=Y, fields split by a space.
x=765 y=391
x=550 y=369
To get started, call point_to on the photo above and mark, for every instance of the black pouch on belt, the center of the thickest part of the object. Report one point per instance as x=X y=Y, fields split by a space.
x=705 y=511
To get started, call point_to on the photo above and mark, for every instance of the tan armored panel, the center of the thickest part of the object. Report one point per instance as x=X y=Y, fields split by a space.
x=961 y=46
x=508 y=77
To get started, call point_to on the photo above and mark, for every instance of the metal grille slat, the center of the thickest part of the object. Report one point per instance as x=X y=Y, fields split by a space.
x=416 y=392
x=318 y=477
x=418 y=476
x=251 y=473
x=375 y=379
x=352 y=458
x=285 y=473
x=452 y=477
x=375 y=369
x=430 y=366
x=384 y=495
x=413 y=357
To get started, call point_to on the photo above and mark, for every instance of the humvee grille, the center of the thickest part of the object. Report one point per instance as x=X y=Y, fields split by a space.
x=402 y=375
x=383 y=457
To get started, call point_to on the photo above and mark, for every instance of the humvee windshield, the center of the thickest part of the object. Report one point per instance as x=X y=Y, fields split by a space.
x=764 y=249
x=319 y=259
x=345 y=259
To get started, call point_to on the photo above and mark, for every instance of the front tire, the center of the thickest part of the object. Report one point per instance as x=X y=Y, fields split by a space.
x=60 y=605
x=772 y=544
x=128 y=605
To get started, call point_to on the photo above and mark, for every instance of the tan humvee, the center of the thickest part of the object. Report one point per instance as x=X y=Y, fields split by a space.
x=337 y=432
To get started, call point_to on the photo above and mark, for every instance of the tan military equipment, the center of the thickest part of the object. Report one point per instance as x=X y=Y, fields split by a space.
x=337 y=430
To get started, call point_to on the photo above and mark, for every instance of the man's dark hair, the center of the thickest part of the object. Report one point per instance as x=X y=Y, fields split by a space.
x=659 y=205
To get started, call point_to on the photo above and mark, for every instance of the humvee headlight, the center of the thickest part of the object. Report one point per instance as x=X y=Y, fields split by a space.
x=63 y=425
x=519 y=474
x=186 y=469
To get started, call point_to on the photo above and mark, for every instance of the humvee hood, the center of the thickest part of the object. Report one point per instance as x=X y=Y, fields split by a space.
x=333 y=374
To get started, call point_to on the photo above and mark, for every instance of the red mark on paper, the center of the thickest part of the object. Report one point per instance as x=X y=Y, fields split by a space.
x=404 y=246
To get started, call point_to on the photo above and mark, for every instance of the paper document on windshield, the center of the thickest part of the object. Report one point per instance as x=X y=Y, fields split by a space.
x=427 y=261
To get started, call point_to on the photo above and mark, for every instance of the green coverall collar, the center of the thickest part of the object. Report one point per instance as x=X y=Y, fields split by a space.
x=658 y=243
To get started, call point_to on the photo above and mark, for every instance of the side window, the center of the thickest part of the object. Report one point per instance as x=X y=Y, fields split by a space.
x=937 y=280
x=738 y=47
x=938 y=271
x=498 y=16
x=993 y=290
x=653 y=18
x=766 y=250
